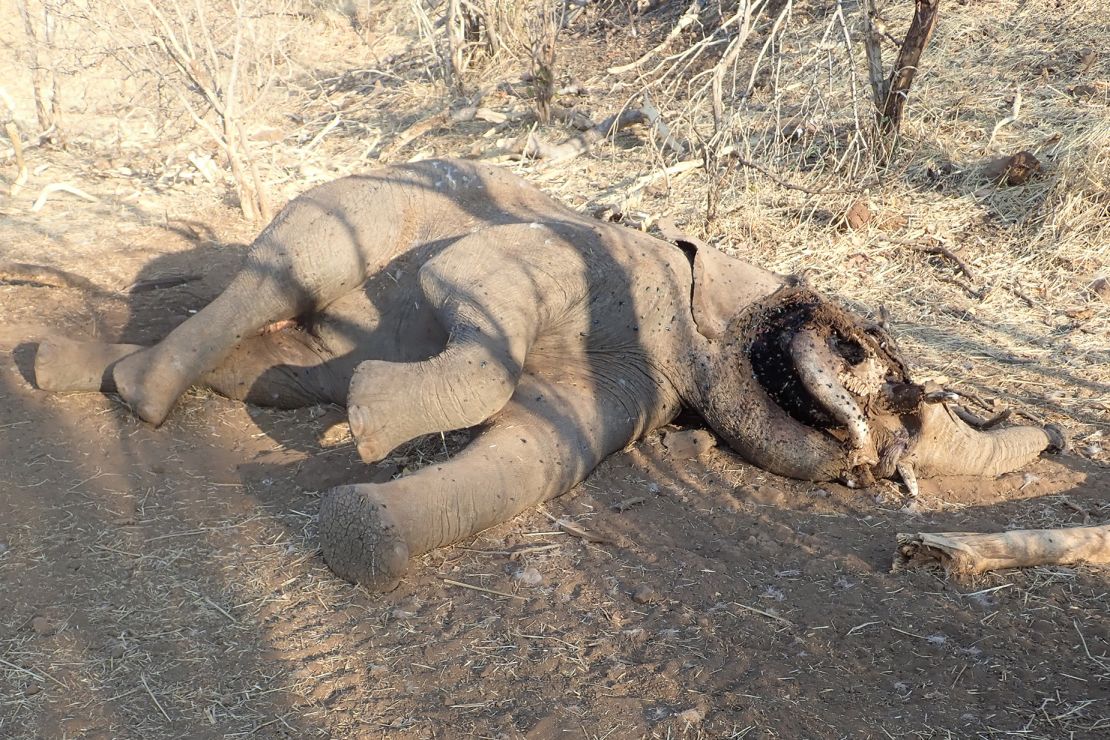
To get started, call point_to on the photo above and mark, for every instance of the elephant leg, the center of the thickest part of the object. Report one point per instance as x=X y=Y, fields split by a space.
x=280 y=279
x=286 y=369
x=547 y=439
x=282 y=369
x=492 y=305
x=64 y=365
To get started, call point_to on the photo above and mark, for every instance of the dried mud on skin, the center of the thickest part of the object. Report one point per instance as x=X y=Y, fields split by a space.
x=166 y=583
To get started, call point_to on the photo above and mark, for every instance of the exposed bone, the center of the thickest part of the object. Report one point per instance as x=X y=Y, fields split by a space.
x=819 y=368
x=905 y=470
x=63 y=187
x=864 y=379
x=969 y=553
x=943 y=396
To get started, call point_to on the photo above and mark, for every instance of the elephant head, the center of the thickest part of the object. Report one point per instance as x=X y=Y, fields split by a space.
x=802 y=388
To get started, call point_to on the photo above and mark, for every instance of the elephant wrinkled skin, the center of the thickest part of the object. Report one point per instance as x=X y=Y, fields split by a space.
x=446 y=294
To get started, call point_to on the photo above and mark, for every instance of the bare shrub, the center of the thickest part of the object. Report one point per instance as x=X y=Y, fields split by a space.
x=40 y=21
x=543 y=33
x=213 y=59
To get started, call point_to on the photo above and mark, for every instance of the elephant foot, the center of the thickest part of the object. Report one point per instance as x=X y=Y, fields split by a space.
x=149 y=387
x=63 y=365
x=371 y=448
x=361 y=539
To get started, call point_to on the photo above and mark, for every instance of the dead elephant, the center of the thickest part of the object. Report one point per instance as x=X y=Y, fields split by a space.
x=447 y=294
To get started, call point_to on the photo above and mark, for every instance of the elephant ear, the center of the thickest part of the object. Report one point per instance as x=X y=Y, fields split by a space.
x=723 y=285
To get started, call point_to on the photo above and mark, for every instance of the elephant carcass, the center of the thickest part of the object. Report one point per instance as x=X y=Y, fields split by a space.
x=446 y=294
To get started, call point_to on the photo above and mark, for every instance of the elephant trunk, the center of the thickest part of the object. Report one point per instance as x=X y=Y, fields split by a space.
x=945 y=445
x=761 y=432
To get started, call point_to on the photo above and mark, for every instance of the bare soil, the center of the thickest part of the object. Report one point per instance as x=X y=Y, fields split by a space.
x=162 y=583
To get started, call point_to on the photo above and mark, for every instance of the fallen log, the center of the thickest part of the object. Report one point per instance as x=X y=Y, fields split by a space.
x=970 y=553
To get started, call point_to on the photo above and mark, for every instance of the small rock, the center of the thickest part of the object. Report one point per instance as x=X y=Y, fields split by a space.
x=529 y=576
x=377 y=670
x=1084 y=91
x=3 y=547
x=643 y=594
x=402 y=614
x=1099 y=286
x=1014 y=170
x=857 y=216
x=691 y=716
x=32 y=690
x=43 y=626
x=117 y=651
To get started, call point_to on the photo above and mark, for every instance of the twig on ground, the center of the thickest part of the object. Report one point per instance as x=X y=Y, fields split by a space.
x=506 y=594
x=442 y=119
x=142 y=677
x=576 y=531
x=767 y=614
x=781 y=182
x=33 y=674
x=1014 y=114
x=935 y=249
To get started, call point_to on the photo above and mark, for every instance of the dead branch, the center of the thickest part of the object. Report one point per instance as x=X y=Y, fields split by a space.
x=782 y=182
x=40 y=46
x=579 y=144
x=935 y=249
x=7 y=117
x=684 y=22
x=660 y=130
x=906 y=66
x=872 y=44
x=969 y=553
x=442 y=119
x=543 y=33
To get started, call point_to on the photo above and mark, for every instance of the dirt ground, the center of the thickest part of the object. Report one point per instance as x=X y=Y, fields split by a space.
x=159 y=583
